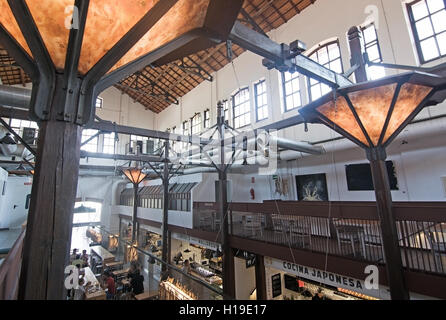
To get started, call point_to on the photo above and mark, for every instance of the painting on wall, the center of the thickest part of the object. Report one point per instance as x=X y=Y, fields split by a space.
x=312 y=187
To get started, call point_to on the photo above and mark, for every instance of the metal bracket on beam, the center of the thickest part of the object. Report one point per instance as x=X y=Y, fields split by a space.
x=163 y=95
x=195 y=69
x=284 y=57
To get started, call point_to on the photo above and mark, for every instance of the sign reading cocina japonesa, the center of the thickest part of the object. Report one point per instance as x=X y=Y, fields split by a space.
x=324 y=276
x=328 y=278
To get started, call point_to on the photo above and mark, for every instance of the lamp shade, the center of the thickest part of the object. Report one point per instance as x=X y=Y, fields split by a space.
x=135 y=175
x=372 y=114
x=108 y=21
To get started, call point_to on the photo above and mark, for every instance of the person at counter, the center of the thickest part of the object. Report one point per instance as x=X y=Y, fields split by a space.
x=178 y=257
x=84 y=257
x=186 y=266
x=136 y=279
x=137 y=283
x=110 y=285
x=73 y=255
x=79 y=293
x=318 y=296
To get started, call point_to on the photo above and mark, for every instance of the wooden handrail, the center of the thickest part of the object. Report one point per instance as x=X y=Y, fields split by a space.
x=10 y=270
x=403 y=211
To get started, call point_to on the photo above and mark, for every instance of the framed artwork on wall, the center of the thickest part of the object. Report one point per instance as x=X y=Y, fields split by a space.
x=359 y=177
x=312 y=187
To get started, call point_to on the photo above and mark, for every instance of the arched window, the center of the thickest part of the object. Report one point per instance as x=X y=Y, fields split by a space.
x=328 y=55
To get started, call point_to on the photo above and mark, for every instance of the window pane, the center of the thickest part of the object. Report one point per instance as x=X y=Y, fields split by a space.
x=16 y=123
x=442 y=43
x=369 y=34
x=315 y=92
x=336 y=66
x=439 y=21
x=334 y=51
x=289 y=102
x=435 y=5
x=323 y=56
x=429 y=48
x=419 y=10
x=297 y=101
x=373 y=53
x=424 y=28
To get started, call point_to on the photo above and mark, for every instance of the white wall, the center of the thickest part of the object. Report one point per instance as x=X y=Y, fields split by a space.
x=106 y=189
x=13 y=211
x=245 y=279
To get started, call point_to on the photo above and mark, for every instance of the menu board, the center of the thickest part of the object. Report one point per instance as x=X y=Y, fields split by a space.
x=276 y=281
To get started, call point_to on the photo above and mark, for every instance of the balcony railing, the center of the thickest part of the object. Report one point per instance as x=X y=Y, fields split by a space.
x=10 y=270
x=347 y=229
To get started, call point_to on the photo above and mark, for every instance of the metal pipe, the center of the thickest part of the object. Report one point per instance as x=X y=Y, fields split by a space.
x=15 y=97
x=265 y=140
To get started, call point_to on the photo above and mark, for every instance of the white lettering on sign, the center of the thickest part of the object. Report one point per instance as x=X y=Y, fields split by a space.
x=372 y=280
x=329 y=278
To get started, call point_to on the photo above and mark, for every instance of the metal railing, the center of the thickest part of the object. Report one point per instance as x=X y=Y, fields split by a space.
x=349 y=230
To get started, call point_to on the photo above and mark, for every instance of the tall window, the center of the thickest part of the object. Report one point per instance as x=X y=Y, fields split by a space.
x=186 y=132
x=291 y=91
x=241 y=106
x=186 y=129
x=196 y=124
x=207 y=119
x=109 y=143
x=226 y=105
x=428 y=20
x=92 y=145
x=140 y=142
x=261 y=100
x=373 y=50
x=329 y=56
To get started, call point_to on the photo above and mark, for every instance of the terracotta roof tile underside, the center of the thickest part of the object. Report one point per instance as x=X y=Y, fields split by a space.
x=170 y=78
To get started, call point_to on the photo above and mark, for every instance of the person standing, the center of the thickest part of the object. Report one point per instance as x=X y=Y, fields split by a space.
x=79 y=293
x=137 y=283
x=110 y=285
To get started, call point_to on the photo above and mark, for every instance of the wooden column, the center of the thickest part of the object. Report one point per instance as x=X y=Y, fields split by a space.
x=222 y=191
x=356 y=51
x=392 y=252
x=135 y=214
x=169 y=246
x=165 y=224
x=48 y=234
x=260 y=278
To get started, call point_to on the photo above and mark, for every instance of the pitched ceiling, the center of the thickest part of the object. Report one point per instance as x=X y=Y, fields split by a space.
x=157 y=88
